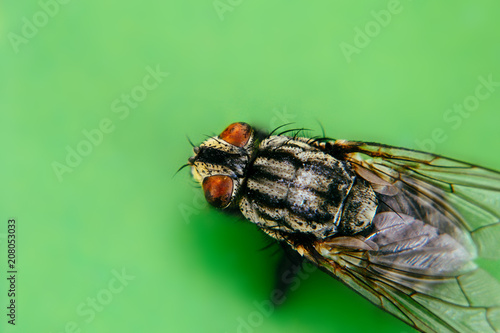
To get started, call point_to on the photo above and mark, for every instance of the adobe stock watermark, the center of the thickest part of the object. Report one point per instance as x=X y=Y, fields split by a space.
x=281 y=117
x=223 y=6
x=121 y=107
x=455 y=115
x=198 y=204
x=31 y=26
x=88 y=309
x=264 y=309
x=371 y=29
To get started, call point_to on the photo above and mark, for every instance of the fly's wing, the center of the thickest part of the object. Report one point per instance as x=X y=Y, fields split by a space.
x=435 y=216
x=469 y=195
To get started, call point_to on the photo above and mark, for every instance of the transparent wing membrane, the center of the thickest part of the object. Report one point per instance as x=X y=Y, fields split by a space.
x=436 y=215
x=470 y=192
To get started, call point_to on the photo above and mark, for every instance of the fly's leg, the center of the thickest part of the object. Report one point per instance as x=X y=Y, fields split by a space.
x=286 y=275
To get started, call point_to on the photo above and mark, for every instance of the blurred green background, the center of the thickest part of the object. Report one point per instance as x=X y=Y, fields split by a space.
x=96 y=101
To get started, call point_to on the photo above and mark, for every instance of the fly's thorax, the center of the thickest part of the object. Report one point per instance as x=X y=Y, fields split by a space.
x=359 y=208
x=219 y=164
x=295 y=187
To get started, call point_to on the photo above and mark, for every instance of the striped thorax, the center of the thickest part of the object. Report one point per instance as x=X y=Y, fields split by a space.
x=283 y=184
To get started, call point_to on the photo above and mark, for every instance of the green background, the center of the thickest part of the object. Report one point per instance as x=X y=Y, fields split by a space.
x=190 y=268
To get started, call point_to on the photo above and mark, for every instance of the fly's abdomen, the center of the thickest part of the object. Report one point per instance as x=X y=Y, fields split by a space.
x=295 y=187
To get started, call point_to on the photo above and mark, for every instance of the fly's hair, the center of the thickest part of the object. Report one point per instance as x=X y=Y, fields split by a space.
x=190 y=142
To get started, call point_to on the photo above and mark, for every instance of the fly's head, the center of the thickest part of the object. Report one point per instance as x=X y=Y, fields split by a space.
x=219 y=164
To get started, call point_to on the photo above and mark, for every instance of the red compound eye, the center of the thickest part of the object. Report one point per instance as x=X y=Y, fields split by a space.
x=237 y=134
x=218 y=190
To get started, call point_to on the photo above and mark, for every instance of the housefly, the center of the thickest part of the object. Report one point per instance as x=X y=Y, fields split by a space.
x=400 y=227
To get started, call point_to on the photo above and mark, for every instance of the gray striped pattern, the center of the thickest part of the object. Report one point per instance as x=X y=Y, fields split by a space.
x=294 y=187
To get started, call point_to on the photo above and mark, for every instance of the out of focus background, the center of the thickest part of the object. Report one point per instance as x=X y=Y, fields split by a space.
x=97 y=100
